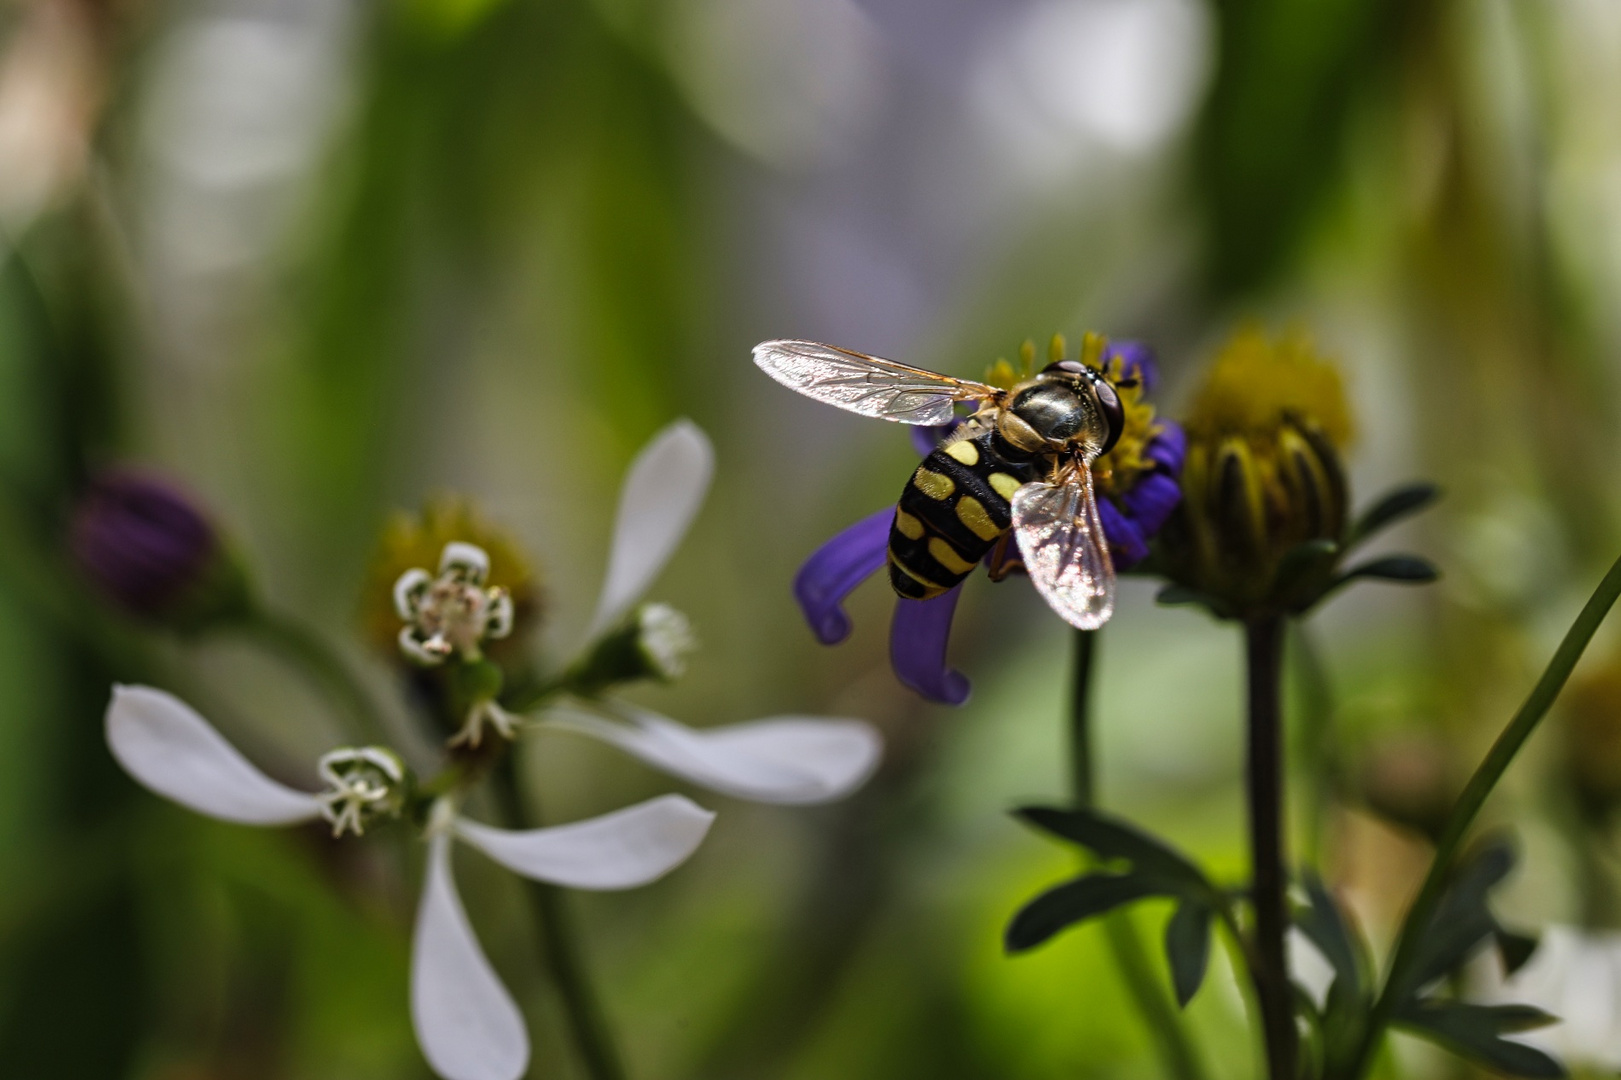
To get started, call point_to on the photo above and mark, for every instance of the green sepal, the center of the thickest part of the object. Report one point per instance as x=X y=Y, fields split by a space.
x=1394 y=505
x=1183 y=596
x=1475 y=1032
x=1074 y=901
x=1187 y=948
x=1404 y=569
x=1297 y=583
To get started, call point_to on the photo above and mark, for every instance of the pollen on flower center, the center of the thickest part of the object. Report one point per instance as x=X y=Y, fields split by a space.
x=363 y=784
x=454 y=612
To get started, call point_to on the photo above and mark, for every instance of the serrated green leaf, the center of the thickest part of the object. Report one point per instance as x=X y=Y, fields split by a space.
x=1515 y=950
x=1187 y=948
x=1391 y=508
x=1463 y=920
x=1322 y=921
x=1475 y=1032
x=1073 y=902
x=1114 y=838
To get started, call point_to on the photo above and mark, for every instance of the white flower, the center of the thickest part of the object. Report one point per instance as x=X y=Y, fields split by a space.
x=452 y=613
x=1575 y=974
x=789 y=759
x=466 y=1022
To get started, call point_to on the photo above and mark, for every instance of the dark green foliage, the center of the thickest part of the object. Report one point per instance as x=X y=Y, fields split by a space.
x=1155 y=870
x=1187 y=947
x=1402 y=568
x=1476 y=1032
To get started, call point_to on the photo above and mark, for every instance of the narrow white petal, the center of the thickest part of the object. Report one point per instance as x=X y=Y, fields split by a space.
x=785 y=759
x=468 y=1025
x=620 y=850
x=662 y=493
x=162 y=742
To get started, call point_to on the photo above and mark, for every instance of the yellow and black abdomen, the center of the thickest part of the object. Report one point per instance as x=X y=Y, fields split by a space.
x=953 y=509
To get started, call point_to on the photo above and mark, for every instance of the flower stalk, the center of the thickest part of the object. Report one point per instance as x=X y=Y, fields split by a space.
x=561 y=957
x=1263 y=640
x=1404 y=958
x=1178 y=1056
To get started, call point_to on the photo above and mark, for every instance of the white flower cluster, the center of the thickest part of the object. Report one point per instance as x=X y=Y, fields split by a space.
x=466 y=1022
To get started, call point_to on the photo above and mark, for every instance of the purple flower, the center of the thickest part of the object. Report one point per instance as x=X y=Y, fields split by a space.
x=150 y=550
x=922 y=628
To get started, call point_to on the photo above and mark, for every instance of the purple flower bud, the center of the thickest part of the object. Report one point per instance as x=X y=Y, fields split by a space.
x=149 y=549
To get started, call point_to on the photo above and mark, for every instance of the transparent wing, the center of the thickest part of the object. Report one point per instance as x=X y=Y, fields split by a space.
x=869 y=385
x=1061 y=538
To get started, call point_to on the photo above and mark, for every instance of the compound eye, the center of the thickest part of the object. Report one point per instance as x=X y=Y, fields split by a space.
x=1113 y=413
x=1073 y=367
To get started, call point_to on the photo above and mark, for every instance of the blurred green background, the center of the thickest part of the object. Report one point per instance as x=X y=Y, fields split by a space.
x=319 y=259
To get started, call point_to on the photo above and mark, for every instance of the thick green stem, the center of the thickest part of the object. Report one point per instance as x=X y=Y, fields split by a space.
x=1468 y=806
x=1263 y=638
x=1178 y=1056
x=303 y=647
x=585 y=1016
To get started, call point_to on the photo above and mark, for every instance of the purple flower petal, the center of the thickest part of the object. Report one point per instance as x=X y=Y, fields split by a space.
x=1150 y=501
x=917 y=648
x=1169 y=447
x=1137 y=361
x=1127 y=544
x=835 y=569
x=925 y=438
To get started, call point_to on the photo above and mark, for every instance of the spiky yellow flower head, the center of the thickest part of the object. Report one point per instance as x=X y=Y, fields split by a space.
x=1117 y=471
x=1255 y=385
x=409 y=541
x=1263 y=484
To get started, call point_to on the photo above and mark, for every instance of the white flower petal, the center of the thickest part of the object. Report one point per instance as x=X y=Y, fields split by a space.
x=468 y=1025
x=785 y=759
x=661 y=495
x=620 y=850
x=162 y=742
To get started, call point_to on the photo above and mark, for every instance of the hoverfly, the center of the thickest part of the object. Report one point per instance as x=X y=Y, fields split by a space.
x=1022 y=463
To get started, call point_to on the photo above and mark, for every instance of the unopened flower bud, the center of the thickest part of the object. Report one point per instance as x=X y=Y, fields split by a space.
x=1263 y=481
x=365 y=785
x=150 y=550
x=653 y=644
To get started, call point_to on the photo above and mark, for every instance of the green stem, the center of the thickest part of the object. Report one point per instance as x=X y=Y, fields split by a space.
x=1468 y=806
x=1263 y=638
x=1178 y=1056
x=585 y=1016
x=303 y=647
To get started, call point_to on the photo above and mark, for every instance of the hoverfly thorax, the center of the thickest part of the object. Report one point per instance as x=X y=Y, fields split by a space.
x=1069 y=407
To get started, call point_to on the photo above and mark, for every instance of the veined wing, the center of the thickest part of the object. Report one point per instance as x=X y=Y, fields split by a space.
x=869 y=385
x=1061 y=539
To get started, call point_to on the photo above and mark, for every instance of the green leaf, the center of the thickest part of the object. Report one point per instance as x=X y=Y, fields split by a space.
x=1463 y=920
x=1323 y=923
x=1073 y=902
x=1475 y=1032
x=1114 y=838
x=1395 y=505
x=1515 y=950
x=1187 y=947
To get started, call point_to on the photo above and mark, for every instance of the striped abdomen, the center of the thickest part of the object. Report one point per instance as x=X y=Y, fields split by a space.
x=953 y=509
